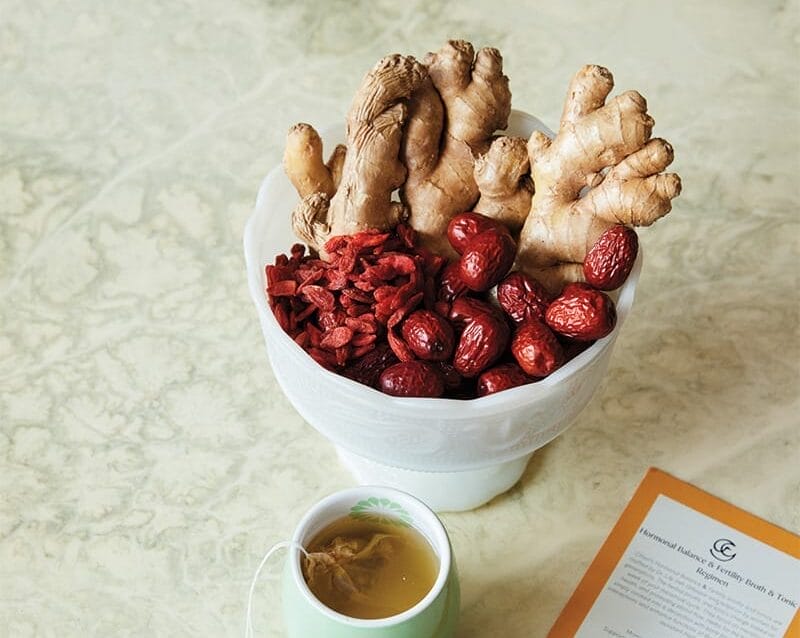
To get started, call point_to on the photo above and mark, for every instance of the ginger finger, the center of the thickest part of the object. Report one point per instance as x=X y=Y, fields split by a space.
x=636 y=202
x=599 y=140
x=587 y=92
x=634 y=192
x=502 y=176
x=653 y=157
x=335 y=164
x=302 y=161
x=358 y=194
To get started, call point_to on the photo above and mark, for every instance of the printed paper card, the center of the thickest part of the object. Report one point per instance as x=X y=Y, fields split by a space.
x=681 y=563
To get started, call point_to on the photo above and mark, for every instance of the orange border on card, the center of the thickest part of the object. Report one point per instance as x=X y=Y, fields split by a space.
x=654 y=483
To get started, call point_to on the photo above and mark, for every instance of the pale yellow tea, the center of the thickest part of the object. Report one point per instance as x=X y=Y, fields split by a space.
x=367 y=569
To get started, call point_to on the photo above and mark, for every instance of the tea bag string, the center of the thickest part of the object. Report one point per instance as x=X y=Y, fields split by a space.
x=249 y=632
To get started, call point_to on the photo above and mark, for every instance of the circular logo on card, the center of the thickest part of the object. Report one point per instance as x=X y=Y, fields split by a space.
x=722 y=550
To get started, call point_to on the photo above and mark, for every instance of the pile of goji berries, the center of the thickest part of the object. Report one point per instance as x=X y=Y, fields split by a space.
x=387 y=313
x=341 y=309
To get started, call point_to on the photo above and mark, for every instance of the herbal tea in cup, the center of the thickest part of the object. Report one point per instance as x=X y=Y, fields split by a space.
x=369 y=569
x=370 y=561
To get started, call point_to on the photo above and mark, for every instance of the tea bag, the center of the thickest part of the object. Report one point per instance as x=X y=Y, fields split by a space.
x=347 y=567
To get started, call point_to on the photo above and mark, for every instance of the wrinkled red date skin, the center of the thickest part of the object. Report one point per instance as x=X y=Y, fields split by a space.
x=412 y=379
x=483 y=341
x=522 y=297
x=582 y=313
x=465 y=309
x=537 y=349
x=465 y=226
x=486 y=259
x=609 y=262
x=450 y=284
x=429 y=335
x=368 y=368
x=501 y=377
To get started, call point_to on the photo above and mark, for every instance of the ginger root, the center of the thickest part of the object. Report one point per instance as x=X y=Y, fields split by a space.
x=503 y=178
x=560 y=195
x=353 y=191
x=604 y=147
x=452 y=117
x=302 y=161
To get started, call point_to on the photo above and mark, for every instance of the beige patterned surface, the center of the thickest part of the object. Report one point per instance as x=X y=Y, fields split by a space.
x=147 y=456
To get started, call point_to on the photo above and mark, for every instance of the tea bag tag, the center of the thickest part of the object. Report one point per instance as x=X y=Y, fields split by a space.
x=249 y=632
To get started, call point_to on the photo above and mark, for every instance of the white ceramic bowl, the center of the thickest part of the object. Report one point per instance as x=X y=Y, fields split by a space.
x=454 y=455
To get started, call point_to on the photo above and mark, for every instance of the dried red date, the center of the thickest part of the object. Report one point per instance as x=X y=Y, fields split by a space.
x=368 y=368
x=451 y=285
x=501 y=377
x=465 y=226
x=465 y=309
x=522 y=297
x=428 y=335
x=412 y=379
x=582 y=313
x=609 y=262
x=486 y=259
x=536 y=349
x=482 y=342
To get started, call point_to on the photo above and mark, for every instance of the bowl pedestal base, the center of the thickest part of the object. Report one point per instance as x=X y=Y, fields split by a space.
x=441 y=491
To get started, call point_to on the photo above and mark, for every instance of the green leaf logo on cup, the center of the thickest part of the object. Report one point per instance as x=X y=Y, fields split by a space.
x=381 y=510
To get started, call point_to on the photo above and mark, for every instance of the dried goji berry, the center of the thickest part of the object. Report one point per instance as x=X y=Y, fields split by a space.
x=301 y=339
x=358 y=324
x=336 y=338
x=320 y=297
x=399 y=347
x=363 y=340
x=283 y=288
x=297 y=251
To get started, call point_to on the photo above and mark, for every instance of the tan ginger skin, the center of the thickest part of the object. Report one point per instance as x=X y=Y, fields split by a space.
x=455 y=103
x=353 y=192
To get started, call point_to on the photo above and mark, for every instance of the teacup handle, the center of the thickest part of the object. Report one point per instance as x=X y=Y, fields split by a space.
x=249 y=632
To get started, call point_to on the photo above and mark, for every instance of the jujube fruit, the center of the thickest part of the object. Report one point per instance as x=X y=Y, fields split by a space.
x=465 y=226
x=481 y=343
x=582 y=313
x=610 y=260
x=428 y=335
x=501 y=377
x=522 y=297
x=536 y=349
x=412 y=379
x=486 y=259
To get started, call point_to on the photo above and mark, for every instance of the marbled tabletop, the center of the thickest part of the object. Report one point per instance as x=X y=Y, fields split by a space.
x=148 y=456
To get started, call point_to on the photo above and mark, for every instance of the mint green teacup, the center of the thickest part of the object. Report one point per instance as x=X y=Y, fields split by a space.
x=435 y=616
